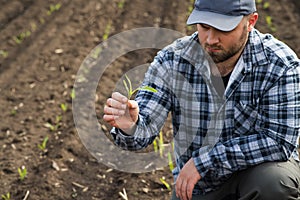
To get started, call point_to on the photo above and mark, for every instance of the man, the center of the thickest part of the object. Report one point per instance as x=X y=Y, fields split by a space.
x=232 y=141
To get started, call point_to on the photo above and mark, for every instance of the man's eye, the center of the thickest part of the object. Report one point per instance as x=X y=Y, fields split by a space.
x=204 y=26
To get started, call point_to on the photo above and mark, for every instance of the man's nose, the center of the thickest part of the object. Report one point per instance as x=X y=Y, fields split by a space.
x=212 y=37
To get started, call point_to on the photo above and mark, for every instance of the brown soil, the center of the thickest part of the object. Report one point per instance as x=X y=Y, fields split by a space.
x=37 y=76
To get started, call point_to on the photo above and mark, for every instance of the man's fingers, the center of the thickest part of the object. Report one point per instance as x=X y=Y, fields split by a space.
x=119 y=97
x=115 y=104
x=113 y=111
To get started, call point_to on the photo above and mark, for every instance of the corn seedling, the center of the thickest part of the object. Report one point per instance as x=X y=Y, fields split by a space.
x=161 y=144
x=107 y=31
x=13 y=112
x=96 y=52
x=53 y=8
x=19 y=38
x=72 y=94
x=64 y=107
x=170 y=161
x=155 y=146
x=22 y=172
x=258 y=1
x=43 y=145
x=33 y=27
x=3 y=53
x=54 y=127
x=131 y=92
x=266 y=5
x=121 y=4
x=6 y=196
x=270 y=23
x=163 y=181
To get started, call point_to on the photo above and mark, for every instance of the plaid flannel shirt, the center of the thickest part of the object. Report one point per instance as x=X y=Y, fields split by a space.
x=255 y=121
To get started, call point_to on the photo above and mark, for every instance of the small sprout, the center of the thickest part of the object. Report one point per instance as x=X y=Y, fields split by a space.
x=43 y=145
x=54 y=127
x=131 y=92
x=6 y=196
x=266 y=5
x=53 y=8
x=121 y=4
x=22 y=172
x=270 y=23
x=171 y=166
x=72 y=94
x=161 y=144
x=155 y=147
x=13 y=112
x=3 y=53
x=258 y=1
x=163 y=181
x=107 y=31
x=64 y=107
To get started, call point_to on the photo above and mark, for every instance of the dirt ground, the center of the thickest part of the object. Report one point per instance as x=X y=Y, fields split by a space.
x=43 y=44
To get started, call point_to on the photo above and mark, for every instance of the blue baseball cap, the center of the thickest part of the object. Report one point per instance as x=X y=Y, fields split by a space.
x=224 y=15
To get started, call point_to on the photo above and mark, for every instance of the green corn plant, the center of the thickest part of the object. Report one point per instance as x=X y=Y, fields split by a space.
x=270 y=23
x=43 y=145
x=22 y=172
x=107 y=31
x=131 y=92
x=53 y=8
x=266 y=5
x=6 y=196
x=64 y=107
x=170 y=161
x=163 y=181
x=161 y=144
x=155 y=146
x=121 y=4
x=72 y=94
x=54 y=127
x=3 y=53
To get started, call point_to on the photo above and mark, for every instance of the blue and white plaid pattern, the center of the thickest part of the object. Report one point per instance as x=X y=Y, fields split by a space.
x=257 y=120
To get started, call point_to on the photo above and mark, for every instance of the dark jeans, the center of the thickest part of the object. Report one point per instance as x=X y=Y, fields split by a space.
x=267 y=181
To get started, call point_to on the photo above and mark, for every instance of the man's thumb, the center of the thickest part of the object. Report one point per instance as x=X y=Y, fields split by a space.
x=132 y=104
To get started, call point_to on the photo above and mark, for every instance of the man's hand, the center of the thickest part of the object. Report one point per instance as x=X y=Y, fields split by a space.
x=186 y=181
x=121 y=112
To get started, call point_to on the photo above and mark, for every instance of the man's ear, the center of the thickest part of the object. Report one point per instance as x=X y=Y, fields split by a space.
x=252 y=21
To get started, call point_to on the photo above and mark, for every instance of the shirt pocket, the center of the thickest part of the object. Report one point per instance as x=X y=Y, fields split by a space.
x=245 y=116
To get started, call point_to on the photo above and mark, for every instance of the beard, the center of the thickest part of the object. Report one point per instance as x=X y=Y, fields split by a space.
x=224 y=54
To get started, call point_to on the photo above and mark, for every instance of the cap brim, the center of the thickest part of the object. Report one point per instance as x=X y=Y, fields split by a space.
x=218 y=21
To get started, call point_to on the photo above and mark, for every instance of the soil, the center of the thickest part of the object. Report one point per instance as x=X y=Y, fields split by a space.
x=37 y=72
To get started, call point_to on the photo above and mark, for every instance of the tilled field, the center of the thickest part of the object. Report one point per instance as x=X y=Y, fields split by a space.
x=43 y=44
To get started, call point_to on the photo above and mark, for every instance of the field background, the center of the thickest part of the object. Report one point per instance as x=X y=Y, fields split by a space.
x=42 y=45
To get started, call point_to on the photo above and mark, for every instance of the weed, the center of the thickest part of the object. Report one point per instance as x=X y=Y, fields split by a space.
x=22 y=172
x=131 y=92
x=43 y=145
x=6 y=196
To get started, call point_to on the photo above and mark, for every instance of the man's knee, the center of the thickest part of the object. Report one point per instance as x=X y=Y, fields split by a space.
x=271 y=181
